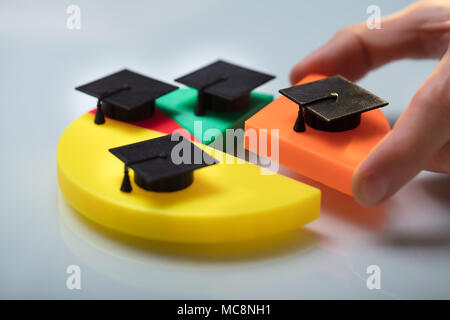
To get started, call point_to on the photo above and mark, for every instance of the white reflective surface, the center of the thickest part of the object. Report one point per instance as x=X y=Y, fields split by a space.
x=40 y=235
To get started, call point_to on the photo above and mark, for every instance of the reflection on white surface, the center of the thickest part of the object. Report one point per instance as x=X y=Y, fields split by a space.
x=328 y=259
x=189 y=270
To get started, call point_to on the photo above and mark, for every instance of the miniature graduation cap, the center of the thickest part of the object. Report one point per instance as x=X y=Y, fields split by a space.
x=156 y=169
x=223 y=86
x=125 y=95
x=331 y=104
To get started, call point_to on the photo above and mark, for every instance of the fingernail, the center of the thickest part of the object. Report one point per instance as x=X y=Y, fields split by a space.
x=372 y=190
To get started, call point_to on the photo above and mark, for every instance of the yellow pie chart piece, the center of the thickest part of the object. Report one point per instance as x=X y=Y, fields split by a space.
x=227 y=202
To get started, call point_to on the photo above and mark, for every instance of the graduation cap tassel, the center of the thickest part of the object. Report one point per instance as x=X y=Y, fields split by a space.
x=99 y=116
x=300 y=122
x=126 y=184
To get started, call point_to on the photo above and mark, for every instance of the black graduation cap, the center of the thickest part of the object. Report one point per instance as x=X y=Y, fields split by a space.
x=154 y=167
x=125 y=95
x=223 y=86
x=331 y=104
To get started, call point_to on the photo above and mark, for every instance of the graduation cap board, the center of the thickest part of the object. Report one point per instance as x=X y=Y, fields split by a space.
x=162 y=164
x=337 y=136
x=223 y=86
x=219 y=113
x=227 y=202
x=331 y=104
x=125 y=95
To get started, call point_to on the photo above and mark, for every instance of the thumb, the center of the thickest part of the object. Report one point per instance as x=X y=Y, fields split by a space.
x=421 y=131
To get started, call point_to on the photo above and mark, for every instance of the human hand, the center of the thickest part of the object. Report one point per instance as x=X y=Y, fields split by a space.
x=420 y=138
